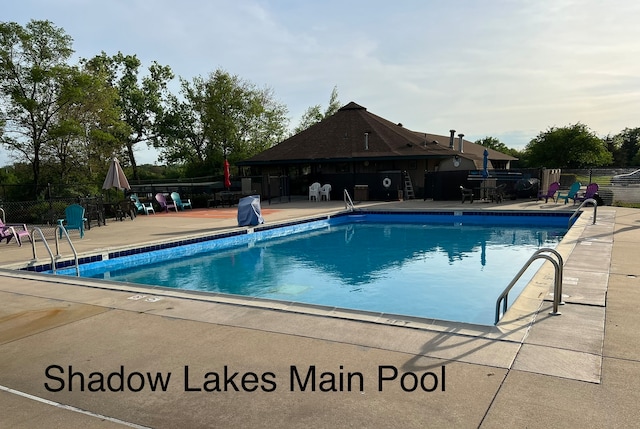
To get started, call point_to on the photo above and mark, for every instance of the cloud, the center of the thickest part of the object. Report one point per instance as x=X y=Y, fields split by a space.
x=498 y=68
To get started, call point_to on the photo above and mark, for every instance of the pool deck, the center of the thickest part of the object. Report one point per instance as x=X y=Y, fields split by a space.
x=534 y=370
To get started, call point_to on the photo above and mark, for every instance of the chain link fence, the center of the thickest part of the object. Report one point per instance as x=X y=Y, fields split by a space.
x=617 y=186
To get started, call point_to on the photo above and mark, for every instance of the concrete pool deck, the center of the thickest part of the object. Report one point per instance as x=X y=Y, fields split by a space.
x=578 y=369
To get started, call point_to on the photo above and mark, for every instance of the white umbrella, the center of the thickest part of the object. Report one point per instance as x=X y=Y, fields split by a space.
x=115 y=177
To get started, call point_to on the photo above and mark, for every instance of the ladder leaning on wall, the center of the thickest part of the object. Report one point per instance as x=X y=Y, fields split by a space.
x=408 y=186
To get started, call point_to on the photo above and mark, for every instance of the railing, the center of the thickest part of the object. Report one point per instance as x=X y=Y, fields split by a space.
x=557 y=288
x=595 y=210
x=58 y=232
x=46 y=245
x=348 y=204
x=62 y=229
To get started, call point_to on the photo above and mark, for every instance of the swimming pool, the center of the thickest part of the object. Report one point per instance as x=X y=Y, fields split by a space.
x=442 y=265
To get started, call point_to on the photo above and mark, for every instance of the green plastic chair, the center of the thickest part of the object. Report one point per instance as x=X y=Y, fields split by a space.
x=74 y=219
x=178 y=201
x=571 y=193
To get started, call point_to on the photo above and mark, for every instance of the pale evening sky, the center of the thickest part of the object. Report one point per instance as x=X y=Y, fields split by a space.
x=503 y=68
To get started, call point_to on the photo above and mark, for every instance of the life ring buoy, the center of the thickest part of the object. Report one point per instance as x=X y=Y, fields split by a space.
x=386 y=182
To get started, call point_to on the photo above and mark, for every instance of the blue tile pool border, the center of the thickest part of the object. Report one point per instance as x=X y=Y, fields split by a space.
x=142 y=253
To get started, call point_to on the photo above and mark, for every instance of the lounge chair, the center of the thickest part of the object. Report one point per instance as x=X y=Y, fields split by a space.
x=570 y=194
x=14 y=230
x=590 y=192
x=164 y=205
x=325 y=191
x=74 y=219
x=179 y=203
x=145 y=208
x=551 y=192
x=466 y=193
x=314 y=191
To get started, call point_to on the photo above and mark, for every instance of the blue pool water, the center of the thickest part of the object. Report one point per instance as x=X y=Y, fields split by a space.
x=444 y=267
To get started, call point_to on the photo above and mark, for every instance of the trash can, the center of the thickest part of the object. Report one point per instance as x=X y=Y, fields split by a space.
x=361 y=193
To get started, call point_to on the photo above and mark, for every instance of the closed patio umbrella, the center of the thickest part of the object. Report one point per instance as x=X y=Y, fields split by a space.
x=227 y=174
x=115 y=177
x=485 y=164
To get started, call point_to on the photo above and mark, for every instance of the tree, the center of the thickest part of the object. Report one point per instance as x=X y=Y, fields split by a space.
x=84 y=137
x=314 y=114
x=495 y=144
x=33 y=75
x=574 y=146
x=142 y=102
x=221 y=115
x=626 y=146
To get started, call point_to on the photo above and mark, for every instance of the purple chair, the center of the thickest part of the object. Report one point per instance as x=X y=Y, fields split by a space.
x=590 y=192
x=17 y=231
x=551 y=192
x=164 y=205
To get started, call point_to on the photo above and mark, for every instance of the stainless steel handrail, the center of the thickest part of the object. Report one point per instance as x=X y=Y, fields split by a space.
x=58 y=231
x=46 y=245
x=557 y=287
x=348 y=204
x=595 y=210
x=62 y=229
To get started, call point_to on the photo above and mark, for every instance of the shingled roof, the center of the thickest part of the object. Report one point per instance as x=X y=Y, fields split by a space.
x=354 y=133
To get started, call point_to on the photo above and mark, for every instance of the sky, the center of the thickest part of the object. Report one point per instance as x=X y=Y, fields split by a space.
x=509 y=69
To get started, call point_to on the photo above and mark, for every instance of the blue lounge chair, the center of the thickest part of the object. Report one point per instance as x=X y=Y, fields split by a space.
x=74 y=219
x=570 y=194
x=181 y=205
x=145 y=208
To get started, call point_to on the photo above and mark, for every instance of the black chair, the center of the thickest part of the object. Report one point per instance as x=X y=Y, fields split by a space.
x=466 y=193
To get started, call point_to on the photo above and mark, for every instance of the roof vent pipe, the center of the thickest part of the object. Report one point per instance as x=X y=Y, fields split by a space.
x=461 y=143
x=366 y=141
x=452 y=138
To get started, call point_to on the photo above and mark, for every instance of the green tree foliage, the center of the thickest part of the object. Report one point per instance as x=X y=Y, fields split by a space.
x=314 y=114
x=218 y=115
x=84 y=134
x=496 y=144
x=34 y=86
x=625 y=147
x=573 y=146
x=142 y=100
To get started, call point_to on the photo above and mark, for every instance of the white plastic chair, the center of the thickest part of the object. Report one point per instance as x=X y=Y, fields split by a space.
x=325 y=191
x=314 y=191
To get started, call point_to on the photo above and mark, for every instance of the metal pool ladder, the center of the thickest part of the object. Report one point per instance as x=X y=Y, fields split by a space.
x=557 y=287
x=62 y=230
x=348 y=204
x=595 y=210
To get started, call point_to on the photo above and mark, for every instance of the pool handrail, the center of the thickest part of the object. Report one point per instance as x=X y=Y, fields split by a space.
x=348 y=204
x=557 y=287
x=59 y=229
x=46 y=245
x=595 y=210
x=62 y=229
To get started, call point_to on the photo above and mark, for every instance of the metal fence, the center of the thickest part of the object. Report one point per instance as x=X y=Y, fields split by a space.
x=617 y=186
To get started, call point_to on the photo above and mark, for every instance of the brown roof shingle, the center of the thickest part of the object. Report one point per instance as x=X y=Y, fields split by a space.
x=353 y=132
